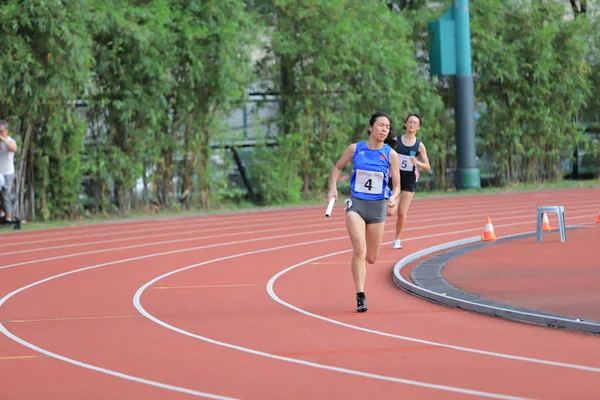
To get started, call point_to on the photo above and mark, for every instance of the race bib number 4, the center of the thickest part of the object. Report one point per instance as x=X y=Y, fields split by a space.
x=405 y=163
x=368 y=182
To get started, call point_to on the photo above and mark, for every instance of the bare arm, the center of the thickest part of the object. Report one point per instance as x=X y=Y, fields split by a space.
x=424 y=163
x=11 y=145
x=337 y=170
x=395 y=168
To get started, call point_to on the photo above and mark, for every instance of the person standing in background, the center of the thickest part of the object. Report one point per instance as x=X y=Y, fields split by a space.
x=8 y=148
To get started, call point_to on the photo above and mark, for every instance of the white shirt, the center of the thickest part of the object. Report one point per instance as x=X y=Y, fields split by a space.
x=7 y=158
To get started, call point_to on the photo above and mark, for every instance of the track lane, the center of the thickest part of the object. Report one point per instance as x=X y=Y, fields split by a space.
x=328 y=245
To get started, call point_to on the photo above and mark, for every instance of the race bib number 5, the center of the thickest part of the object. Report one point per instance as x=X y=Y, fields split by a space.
x=368 y=182
x=405 y=163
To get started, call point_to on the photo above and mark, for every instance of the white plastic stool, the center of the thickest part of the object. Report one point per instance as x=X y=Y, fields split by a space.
x=560 y=212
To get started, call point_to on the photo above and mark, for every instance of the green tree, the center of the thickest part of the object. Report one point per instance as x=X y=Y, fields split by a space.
x=532 y=76
x=592 y=110
x=46 y=59
x=334 y=63
x=435 y=98
x=212 y=67
x=128 y=99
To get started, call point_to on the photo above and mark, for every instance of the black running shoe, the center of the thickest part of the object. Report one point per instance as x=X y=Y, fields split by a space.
x=361 y=304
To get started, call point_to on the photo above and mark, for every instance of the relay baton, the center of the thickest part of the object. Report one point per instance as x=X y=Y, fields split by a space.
x=330 y=207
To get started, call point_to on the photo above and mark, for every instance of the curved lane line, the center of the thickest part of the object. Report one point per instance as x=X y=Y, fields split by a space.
x=488 y=310
x=107 y=371
x=35 y=261
x=274 y=296
x=137 y=296
x=137 y=304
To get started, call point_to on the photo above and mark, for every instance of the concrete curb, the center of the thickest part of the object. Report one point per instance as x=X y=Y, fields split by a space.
x=429 y=284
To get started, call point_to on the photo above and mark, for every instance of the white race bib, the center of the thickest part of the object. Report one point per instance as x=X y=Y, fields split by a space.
x=368 y=182
x=405 y=163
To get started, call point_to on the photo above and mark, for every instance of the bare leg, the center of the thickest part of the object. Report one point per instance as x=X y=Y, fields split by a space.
x=356 y=230
x=374 y=235
x=405 y=200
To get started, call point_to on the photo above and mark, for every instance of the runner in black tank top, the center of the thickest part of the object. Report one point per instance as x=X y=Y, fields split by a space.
x=413 y=155
x=408 y=171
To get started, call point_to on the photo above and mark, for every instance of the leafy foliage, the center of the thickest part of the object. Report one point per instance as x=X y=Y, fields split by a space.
x=131 y=98
x=532 y=80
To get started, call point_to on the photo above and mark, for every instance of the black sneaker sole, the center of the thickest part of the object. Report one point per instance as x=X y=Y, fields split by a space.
x=362 y=309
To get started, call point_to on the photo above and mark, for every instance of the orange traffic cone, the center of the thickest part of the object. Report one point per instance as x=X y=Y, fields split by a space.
x=545 y=223
x=488 y=230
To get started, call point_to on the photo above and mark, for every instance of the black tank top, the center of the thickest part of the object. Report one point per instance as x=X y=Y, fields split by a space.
x=407 y=168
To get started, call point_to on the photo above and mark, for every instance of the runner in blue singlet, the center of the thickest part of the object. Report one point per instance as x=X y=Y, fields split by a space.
x=366 y=209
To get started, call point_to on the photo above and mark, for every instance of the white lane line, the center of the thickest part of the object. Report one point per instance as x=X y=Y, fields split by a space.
x=21 y=341
x=137 y=304
x=81 y=364
x=288 y=226
x=231 y=225
x=121 y=240
x=112 y=228
x=112 y=372
x=435 y=295
x=175 y=241
x=184 y=250
x=216 y=223
x=274 y=296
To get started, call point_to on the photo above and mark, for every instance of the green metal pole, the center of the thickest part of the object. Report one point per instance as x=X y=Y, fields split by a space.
x=467 y=174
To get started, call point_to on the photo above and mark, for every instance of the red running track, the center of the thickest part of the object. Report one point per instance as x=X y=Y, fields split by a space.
x=553 y=276
x=261 y=306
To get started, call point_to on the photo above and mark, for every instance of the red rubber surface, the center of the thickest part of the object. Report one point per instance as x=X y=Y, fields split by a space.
x=232 y=338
